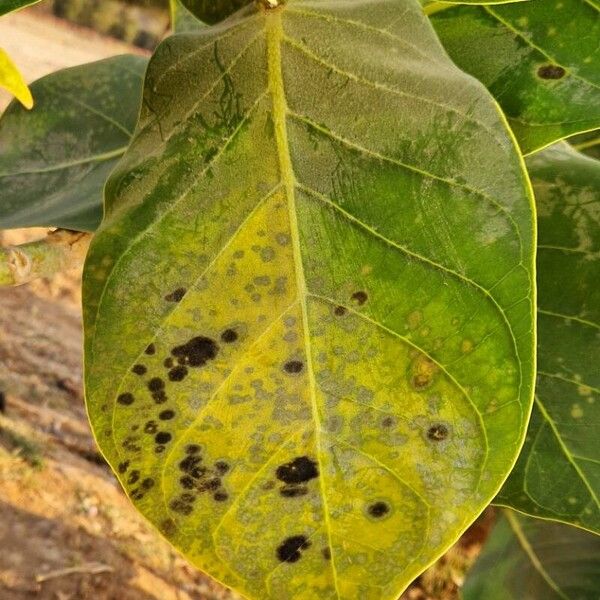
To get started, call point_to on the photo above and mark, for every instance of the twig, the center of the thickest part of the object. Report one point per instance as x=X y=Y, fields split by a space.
x=93 y=568
x=59 y=251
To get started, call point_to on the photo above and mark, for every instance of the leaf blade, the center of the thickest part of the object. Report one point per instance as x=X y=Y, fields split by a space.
x=12 y=81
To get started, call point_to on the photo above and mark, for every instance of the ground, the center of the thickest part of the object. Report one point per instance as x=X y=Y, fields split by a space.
x=67 y=531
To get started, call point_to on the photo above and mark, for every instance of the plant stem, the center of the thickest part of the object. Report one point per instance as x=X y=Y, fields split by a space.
x=60 y=250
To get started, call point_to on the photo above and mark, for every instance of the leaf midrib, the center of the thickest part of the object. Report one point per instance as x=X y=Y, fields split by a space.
x=274 y=37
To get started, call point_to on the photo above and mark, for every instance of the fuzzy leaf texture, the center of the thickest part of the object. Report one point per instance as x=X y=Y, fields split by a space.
x=540 y=60
x=54 y=160
x=308 y=312
x=529 y=559
x=558 y=473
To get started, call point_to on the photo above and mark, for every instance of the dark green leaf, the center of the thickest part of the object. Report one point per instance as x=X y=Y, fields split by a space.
x=587 y=143
x=183 y=20
x=309 y=327
x=558 y=473
x=7 y=6
x=54 y=160
x=213 y=11
x=540 y=60
x=530 y=559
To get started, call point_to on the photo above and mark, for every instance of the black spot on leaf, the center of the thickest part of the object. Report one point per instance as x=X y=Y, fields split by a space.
x=162 y=437
x=139 y=369
x=551 y=72
x=293 y=366
x=178 y=373
x=293 y=491
x=125 y=399
x=378 y=509
x=197 y=352
x=160 y=397
x=148 y=483
x=340 y=311
x=326 y=553
x=123 y=467
x=291 y=548
x=156 y=384
x=221 y=496
x=168 y=362
x=166 y=415
x=151 y=427
x=437 y=432
x=176 y=296
x=133 y=477
x=229 y=336
x=150 y=349
x=300 y=470
x=159 y=449
x=192 y=449
x=222 y=467
x=360 y=297
x=187 y=482
x=180 y=506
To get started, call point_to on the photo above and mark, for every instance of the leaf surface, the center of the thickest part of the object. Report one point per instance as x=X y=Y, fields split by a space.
x=7 y=6
x=309 y=328
x=530 y=559
x=184 y=21
x=54 y=160
x=557 y=475
x=540 y=61
x=12 y=80
x=213 y=11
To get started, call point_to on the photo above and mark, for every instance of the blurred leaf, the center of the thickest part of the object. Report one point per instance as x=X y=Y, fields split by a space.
x=541 y=63
x=213 y=11
x=557 y=475
x=12 y=80
x=531 y=559
x=54 y=160
x=587 y=143
x=7 y=6
x=308 y=312
x=183 y=21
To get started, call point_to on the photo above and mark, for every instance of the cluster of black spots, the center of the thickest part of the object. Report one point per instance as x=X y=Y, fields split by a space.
x=387 y=422
x=125 y=399
x=148 y=483
x=360 y=297
x=378 y=509
x=163 y=437
x=133 y=477
x=192 y=449
x=296 y=473
x=166 y=415
x=229 y=336
x=293 y=367
x=151 y=427
x=326 y=552
x=551 y=72
x=139 y=369
x=222 y=467
x=150 y=349
x=197 y=352
x=122 y=468
x=437 y=432
x=167 y=527
x=157 y=387
x=202 y=479
x=168 y=362
x=136 y=494
x=340 y=311
x=221 y=496
x=290 y=550
x=176 y=295
x=178 y=373
x=129 y=443
x=183 y=504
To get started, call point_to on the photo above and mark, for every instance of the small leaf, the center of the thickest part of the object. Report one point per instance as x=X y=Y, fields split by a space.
x=7 y=6
x=530 y=559
x=308 y=316
x=12 y=80
x=541 y=63
x=558 y=473
x=54 y=160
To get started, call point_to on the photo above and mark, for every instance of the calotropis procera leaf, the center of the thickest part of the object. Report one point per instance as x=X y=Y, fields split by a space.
x=309 y=326
x=213 y=11
x=7 y=6
x=12 y=80
x=557 y=475
x=540 y=59
x=531 y=559
x=183 y=21
x=54 y=160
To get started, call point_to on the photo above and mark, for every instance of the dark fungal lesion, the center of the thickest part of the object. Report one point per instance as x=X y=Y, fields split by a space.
x=122 y=468
x=125 y=399
x=551 y=71
x=293 y=367
x=295 y=475
x=290 y=550
x=139 y=369
x=438 y=432
x=340 y=311
x=196 y=352
x=326 y=552
x=163 y=437
x=176 y=295
x=360 y=297
x=378 y=509
x=166 y=415
x=178 y=373
x=229 y=336
x=150 y=349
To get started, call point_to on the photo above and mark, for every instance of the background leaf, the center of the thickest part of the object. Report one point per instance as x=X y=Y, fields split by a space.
x=587 y=143
x=183 y=20
x=54 y=160
x=558 y=473
x=541 y=63
x=7 y=6
x=530 y=559
x=213 y=11
x=308 y=312
x=12 y=80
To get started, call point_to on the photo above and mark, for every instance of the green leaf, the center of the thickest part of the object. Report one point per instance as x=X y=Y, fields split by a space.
x=7 y=6
x=558 y=473
x=55 y=160
x=308 y=316
x=12 y=80
x=529 y=559
x=183 y=20
x=213 y=11
x=540 y=61
x=587 y=143
x=433 y=6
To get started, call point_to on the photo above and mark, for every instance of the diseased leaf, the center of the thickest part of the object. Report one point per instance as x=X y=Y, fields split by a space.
x=530 y=559
x=557 y=475
x=12 y=80
x=7 y=6
x=213 y=11
x=540 y=61
x=55 y=160
x=309 y=328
